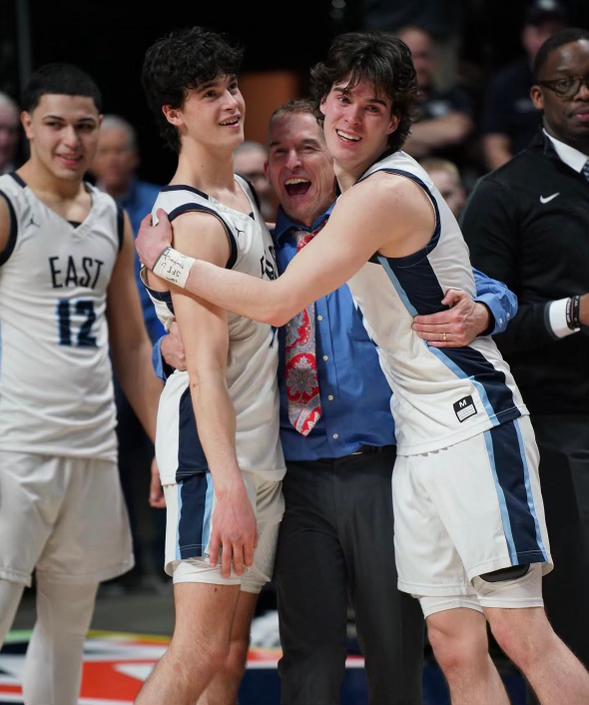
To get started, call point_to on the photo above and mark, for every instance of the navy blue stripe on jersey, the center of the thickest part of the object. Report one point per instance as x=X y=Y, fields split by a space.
x=255 y=197
x=194 y=516
x=18 y=180
x=191 y=456
x=512 y=480
x=7 y=251
x=195 y=208
x=120 y=226
x=436 y=236
x=419 y=290
x=164 y=296
x=181 y=187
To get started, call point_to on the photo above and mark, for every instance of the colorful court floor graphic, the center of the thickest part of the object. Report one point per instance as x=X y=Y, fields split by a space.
x=117 y=664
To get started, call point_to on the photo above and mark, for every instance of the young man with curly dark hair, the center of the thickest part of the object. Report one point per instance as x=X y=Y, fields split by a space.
x=470 y=536
x=217 y=441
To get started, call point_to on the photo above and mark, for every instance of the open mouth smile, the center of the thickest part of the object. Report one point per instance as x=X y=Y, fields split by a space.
x=297 y=186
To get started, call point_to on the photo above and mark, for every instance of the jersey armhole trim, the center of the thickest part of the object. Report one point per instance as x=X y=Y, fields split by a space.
x=17 y=178
x=254 y=193
x=409 y=260
x=5 y=254
x=120 y=226
x=195 y=208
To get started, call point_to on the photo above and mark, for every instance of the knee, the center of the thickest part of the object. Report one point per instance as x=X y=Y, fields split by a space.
x=457 y=650
x=208 y=657
x=236 y=657
x=523 y=634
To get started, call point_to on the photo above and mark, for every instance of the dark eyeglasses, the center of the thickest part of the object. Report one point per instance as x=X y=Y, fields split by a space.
x=566 y=87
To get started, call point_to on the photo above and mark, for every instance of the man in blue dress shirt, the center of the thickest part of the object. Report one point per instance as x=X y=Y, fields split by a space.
x=336 y=537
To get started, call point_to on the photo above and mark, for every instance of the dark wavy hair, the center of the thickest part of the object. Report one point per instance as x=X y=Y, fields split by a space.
x=565 y=36
x=181 y=61
x=376 y=58
x=59 y=79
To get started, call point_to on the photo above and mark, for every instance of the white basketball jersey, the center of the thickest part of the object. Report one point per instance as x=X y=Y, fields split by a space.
x=56 y=390
x=441 y=396
x=252 y=359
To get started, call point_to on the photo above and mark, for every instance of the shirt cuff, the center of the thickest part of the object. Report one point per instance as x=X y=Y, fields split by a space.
x=499 y=319
x=557 y=320
x=157 y=360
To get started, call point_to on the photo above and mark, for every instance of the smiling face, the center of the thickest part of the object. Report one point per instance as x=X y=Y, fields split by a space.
x=299 y=167
x=63 y=131
x=211 y=114
x=566 y=119
x=358 y=122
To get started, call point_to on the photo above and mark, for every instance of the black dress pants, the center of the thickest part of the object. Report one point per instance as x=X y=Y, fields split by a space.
x=335 y=542
x=564 y=476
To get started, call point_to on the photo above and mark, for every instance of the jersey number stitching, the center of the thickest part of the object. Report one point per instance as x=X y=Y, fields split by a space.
x=82 y=308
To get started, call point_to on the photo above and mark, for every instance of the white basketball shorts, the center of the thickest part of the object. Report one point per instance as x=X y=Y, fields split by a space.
x=469 y=509
x=66 y=517
x=190 y=506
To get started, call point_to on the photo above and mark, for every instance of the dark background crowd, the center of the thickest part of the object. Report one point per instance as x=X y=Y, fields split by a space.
x=469 y=45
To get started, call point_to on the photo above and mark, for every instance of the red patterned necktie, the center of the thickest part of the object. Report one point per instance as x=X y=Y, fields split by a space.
x=302 y=380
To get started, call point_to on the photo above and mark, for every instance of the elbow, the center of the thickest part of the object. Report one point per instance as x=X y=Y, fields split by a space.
x=280 y=313
x=282 y=307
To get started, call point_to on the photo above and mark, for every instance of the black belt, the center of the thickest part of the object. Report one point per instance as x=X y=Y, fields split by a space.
x=369 y=450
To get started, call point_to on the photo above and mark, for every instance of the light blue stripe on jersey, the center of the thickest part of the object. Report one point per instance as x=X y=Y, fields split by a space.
x=529 y=493
x=208 y=514
x=450 y=364
x=397 y=284
x=502 y=503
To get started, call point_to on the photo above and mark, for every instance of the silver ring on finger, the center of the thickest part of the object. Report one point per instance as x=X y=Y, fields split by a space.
x=444 y=336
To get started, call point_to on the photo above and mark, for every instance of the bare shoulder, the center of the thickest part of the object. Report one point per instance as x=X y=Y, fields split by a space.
x=202 y=235
x=382 y=192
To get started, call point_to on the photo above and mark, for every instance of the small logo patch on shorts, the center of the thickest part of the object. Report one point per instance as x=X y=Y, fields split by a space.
x=464 y=408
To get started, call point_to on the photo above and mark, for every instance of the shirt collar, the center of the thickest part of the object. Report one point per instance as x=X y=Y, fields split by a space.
x=284 y=225
x=569 y=155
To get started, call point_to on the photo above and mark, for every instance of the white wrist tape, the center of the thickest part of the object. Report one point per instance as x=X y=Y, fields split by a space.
x=173 y=266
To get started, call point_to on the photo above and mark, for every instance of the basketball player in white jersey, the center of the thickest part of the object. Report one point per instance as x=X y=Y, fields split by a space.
x=470 y=537
x=217 y=438
x=66 y=295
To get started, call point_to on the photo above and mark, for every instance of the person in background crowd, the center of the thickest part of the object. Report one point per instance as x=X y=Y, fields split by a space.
x=248 y=161
x=9 y=133
x=528 y=223
x=510 y=118
x=444 y=121
x=446 y=179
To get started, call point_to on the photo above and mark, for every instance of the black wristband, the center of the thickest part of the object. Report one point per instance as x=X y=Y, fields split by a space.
x=573 y=312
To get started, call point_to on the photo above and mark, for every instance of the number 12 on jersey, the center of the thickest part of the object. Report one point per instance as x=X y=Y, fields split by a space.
x=82 y=308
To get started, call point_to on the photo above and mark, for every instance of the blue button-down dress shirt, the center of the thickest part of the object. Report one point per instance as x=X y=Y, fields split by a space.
x=355 y=396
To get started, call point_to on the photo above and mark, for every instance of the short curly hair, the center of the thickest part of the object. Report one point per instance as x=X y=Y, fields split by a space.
x=181 y=61
x=377 y=58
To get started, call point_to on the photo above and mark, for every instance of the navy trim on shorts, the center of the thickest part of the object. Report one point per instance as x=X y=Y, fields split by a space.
x=196 y=208
x=191 y=522
x=10 y=245
x=191 y=456
x=520 y=523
